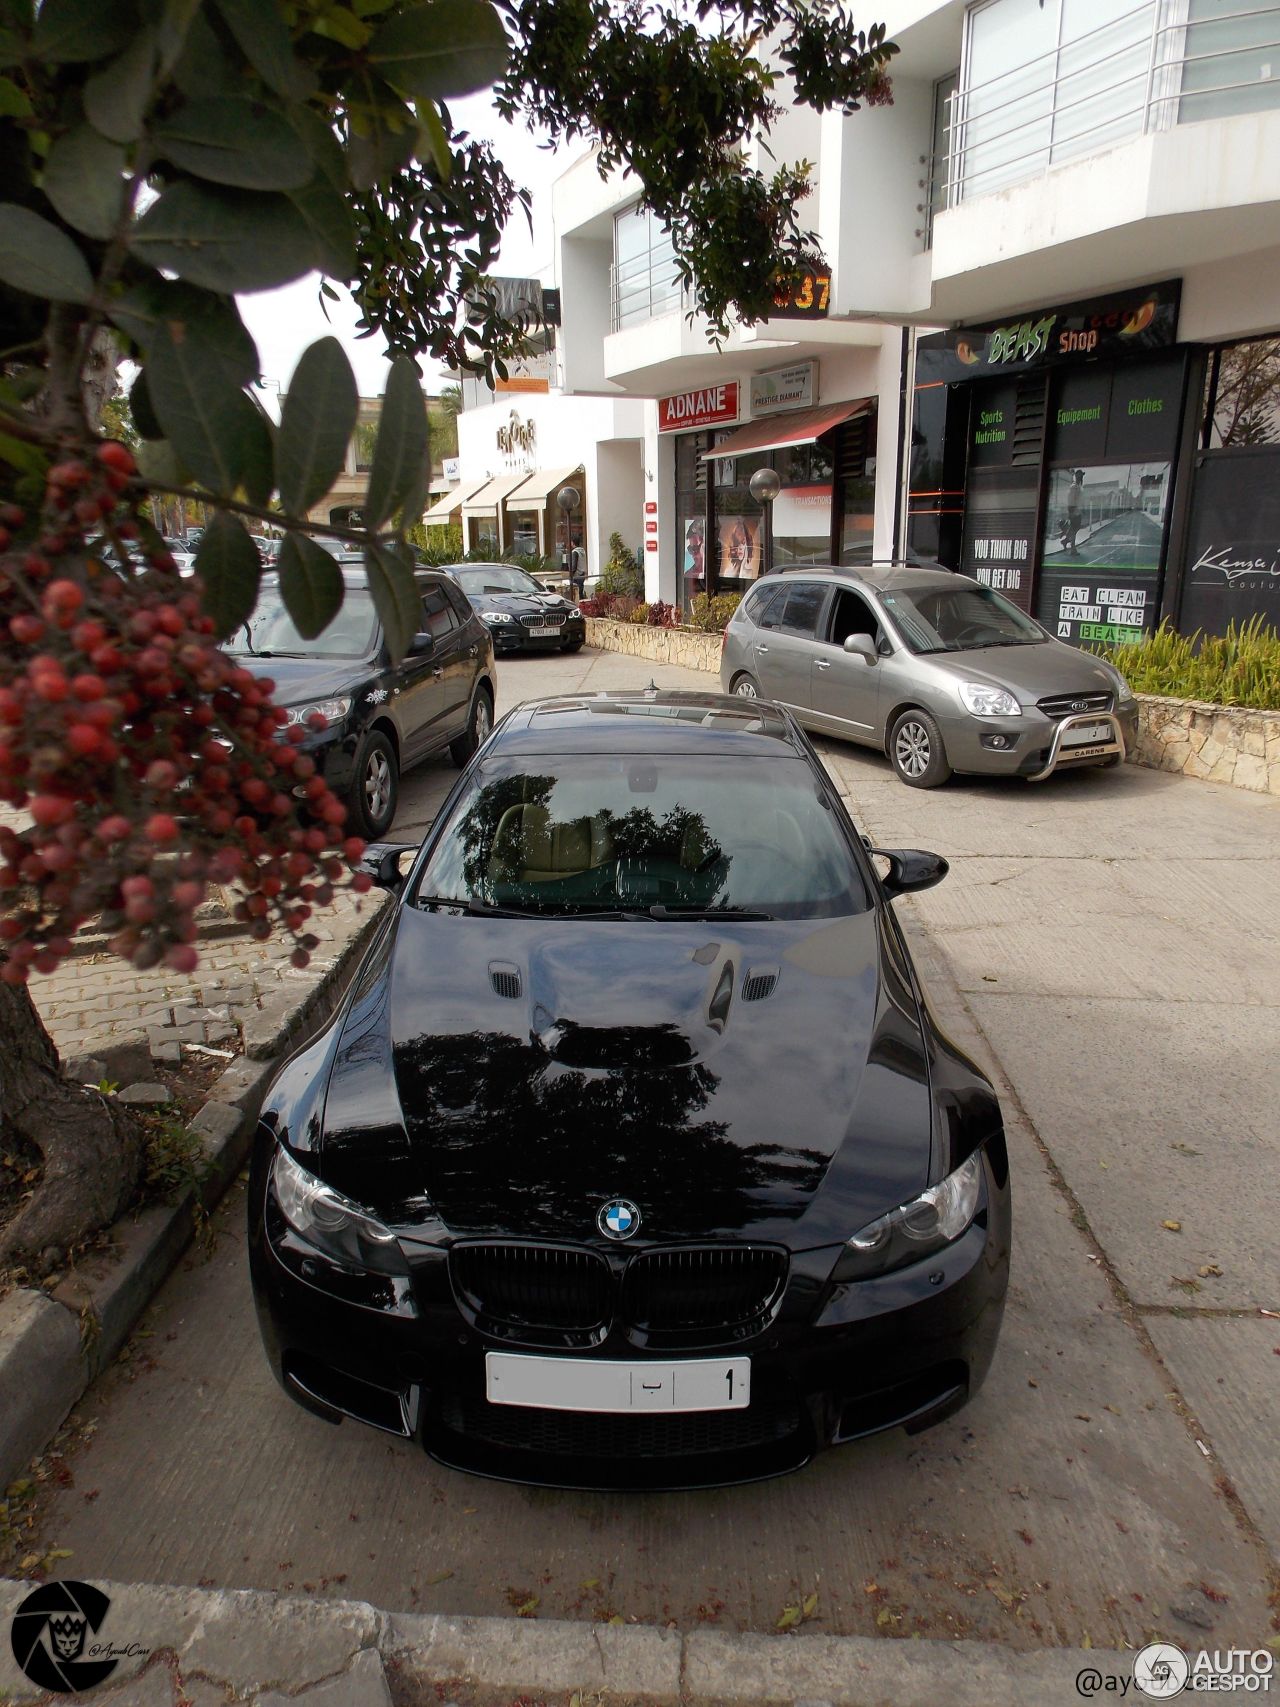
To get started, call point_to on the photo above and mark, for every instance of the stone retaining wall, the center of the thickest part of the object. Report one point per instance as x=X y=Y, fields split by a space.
x=1220 y=743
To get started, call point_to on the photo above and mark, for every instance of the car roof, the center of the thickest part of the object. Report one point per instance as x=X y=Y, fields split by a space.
x=655 y=721
x=879 y=576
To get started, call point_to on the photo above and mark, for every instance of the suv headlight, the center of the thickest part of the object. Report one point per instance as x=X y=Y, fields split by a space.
x=332 y=710
x=495 y=616
x=339 y=1229
x=927 y=1223
x=983 y=701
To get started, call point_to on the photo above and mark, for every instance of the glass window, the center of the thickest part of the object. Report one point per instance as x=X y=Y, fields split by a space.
x=523 y=528
x=1007 y=105
x=1101 y=549
x=851 y=614
x=270 y=631
x=961 y=618
x=803 y=608
x=645 y=280
x=438 y=618
x=771 y=609
x=1242 y=406
x=1229 y=61
x=680 y=832
x=495 y=578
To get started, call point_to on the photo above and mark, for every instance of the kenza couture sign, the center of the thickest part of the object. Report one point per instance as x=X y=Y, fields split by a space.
x=713 y=406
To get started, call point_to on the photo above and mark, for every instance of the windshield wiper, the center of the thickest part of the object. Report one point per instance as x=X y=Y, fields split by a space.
x=483 y=909
x=695 y=910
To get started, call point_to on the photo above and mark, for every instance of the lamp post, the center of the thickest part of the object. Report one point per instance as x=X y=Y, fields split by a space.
x=764 y=486
x=568 y=498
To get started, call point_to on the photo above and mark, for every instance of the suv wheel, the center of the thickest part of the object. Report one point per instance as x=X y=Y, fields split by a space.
x=915 y=747
x=375 y=793
x=479 y=725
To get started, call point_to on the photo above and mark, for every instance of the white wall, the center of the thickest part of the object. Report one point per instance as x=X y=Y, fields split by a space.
x=618 y=504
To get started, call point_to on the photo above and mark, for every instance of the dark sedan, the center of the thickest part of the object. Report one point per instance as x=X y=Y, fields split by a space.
x=519 y=614
x=633 y=1156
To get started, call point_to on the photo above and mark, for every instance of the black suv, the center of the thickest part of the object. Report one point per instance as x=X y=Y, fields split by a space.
x=382 y=717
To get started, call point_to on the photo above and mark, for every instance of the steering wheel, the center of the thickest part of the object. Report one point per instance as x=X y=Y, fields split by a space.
x=978 y=629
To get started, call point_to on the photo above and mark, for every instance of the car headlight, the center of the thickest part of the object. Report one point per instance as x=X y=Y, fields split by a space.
x=913 y=1230
x=984 y=701
x=1123 y=690
x=495 y=616
x=338 y=1229
x=332 y=710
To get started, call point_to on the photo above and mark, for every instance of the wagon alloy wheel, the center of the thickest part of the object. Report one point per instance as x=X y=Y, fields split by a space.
x=377 y=786
x=746 y=688
x=916 y=749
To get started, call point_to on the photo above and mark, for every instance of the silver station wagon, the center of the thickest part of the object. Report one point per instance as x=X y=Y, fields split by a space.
x=934 y=669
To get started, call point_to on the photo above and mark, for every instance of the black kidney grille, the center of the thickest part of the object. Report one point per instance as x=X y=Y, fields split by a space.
x=533 y=1286
x=1069 y=704
x=591 y=1434
x=713 y=1287
x=545 y=619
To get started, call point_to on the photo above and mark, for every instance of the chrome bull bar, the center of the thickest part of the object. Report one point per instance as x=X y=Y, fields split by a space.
x=1059 y=754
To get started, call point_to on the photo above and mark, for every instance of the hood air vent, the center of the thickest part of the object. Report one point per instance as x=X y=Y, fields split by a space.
x=759 y=983
x=505 y=979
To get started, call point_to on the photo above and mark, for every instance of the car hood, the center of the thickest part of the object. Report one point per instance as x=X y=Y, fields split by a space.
x=300 y=679
x=630 y=1063
x=1031 y=671
x=520 y=604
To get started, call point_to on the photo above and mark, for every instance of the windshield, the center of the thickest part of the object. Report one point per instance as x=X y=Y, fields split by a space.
x=962 y=618
x=676 y=835
x=270 y=631
x=492 y=578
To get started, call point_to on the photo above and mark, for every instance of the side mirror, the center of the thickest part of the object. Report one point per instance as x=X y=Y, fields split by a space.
x=861 y=646
x=382 y=862
x=910 y=870
x=421 y=644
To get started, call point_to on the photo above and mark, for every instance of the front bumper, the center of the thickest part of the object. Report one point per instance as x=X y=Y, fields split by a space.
x=1035 y=745
x=836 y=1363
x=515 y=637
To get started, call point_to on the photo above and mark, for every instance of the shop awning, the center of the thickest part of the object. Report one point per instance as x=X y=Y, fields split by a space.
x=491 y=494
x=794 y=427
x=539 y=487
x=448 y=507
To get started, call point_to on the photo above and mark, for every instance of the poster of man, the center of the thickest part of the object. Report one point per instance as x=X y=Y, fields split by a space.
x=695 y=565
x=740 y=548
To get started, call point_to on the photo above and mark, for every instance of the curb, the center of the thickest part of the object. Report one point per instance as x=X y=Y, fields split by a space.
x=53 y=1344
x=264 y=1649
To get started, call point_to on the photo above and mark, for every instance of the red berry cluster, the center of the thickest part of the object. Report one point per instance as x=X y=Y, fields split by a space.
x=147 y=764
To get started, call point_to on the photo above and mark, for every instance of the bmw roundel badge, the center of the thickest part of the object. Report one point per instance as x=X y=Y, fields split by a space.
x=619 y=1219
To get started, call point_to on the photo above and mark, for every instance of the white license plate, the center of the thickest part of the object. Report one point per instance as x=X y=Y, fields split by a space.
x=591 y=1384
x=544 y=633
x=1086 y=734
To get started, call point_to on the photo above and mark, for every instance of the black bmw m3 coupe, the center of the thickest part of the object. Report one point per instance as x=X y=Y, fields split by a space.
x=633 y=1156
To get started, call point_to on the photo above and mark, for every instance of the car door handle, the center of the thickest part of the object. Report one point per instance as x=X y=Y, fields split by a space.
x=471 y=651
x=438 y=671
x=760 y=648
x=822 y=663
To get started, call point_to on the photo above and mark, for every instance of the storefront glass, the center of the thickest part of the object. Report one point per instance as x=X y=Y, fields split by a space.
x=482 y=532
x=522 y=531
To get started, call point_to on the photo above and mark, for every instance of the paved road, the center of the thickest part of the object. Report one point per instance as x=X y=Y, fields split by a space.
x=1107 y=944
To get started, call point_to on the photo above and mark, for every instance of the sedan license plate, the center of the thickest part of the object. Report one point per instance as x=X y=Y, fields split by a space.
x=544 y=633
x=590 y=1384
x=1086 y=734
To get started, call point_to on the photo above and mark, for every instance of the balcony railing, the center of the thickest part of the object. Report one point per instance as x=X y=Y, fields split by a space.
x=1141 y=71
x=642 y=287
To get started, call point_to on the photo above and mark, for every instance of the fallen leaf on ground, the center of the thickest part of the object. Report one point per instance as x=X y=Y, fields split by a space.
x=1208 y=1268
x=1172 y=1226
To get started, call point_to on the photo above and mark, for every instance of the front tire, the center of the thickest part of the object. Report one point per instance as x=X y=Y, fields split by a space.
x=572 y=646
x=479 y=725
x=745 y=686
x=375 y=793
x=917 y=752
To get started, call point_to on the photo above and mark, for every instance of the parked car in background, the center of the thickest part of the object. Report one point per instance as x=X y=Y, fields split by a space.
x=938 y=671
x=183 y=553
x=381 y=717
x=519 y=614
x=633 y=1156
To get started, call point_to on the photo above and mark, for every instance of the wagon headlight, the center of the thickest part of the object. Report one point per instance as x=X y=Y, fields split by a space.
x=1124 y=693
x=917 y=1228
x=984 y=701
x=339 y=1229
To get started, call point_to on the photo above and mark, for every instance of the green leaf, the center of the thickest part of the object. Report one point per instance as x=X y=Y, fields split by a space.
x=311 y=584
x=316 y=425
x=158 y=461
x=395 y=597
x=172 y=31
x=322 y=145
x=84 y=179
x=331 y=224
x=117 y=97
x=401 y=449
x=165 y=315
x=141 y=409
x=38 y=258
x=340 y=24
x=70 y=32
x=26 y=458
x=225 y=239
x=205 y=68
x=433 y=139
x=445 y=47
x=13 y=101
x=227 y=562
x=263 y=37
x=237 y=142
x=257 y=452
